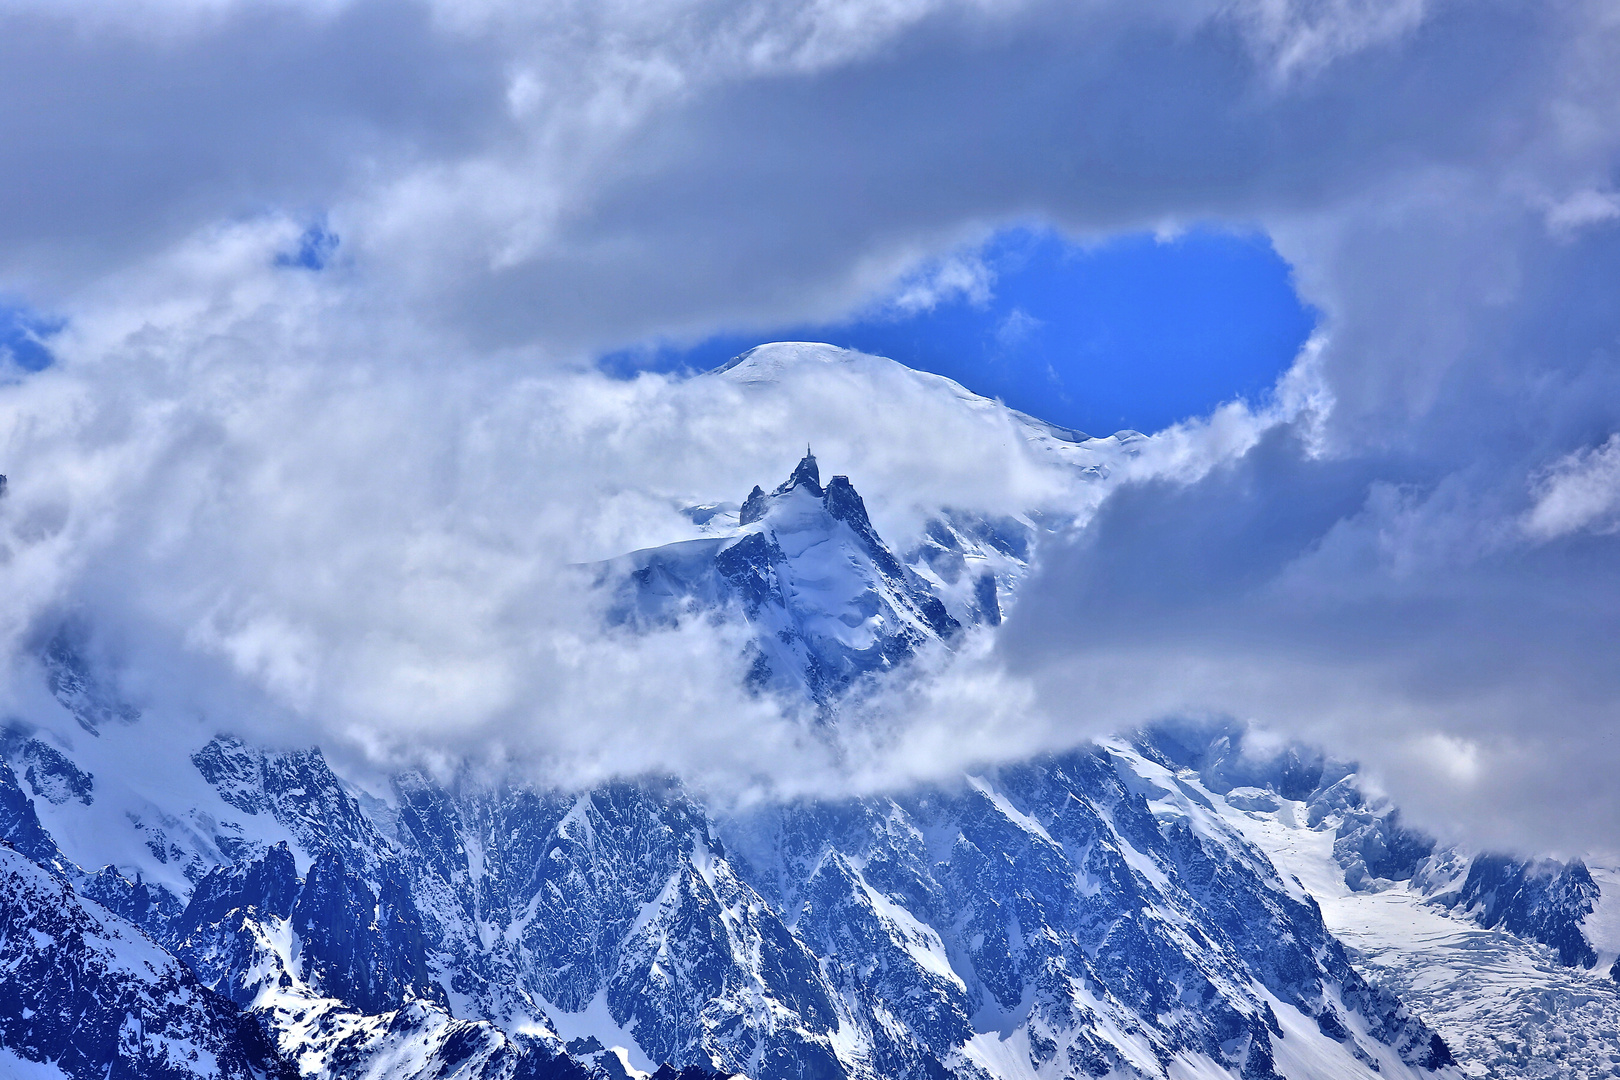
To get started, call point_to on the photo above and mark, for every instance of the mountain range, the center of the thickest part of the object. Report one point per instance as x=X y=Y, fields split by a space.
x=1189 y=900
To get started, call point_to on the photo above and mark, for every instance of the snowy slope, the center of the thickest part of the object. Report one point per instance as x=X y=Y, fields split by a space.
x=87 y=992
x=762 y=368
x=1509 y=1004
x=1506 y=1005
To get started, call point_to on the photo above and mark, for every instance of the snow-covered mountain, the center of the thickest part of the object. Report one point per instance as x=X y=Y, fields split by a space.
x=88 y=992
x=177 y=901
x=1512 y=961
x=1038 y=921
x=765 y=367
x=827 y=600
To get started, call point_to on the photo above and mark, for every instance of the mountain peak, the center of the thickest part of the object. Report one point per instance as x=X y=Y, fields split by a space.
x=805 y=474
x=766 y=363
x=829 y=601
x=753 y=507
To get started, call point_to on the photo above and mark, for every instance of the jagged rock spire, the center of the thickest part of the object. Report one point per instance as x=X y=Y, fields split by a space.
x=806 y=473
x=753 y=507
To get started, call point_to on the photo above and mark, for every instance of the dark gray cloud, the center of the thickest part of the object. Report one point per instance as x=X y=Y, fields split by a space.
x=126 y=131
x=596 y=173
x=792 y=193
x=1435 y=589
x=1480 y=685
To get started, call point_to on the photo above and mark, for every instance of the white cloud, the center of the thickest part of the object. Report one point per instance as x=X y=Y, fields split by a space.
x=1583 y=209
x=957 y=277
x=1579 y=491
x=1457 y=759
x=306 y=526
x=341 y=503
x=1016 y=329
x=1302 y=36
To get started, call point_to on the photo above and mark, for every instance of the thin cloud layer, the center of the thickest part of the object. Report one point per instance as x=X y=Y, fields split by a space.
x=345 y=499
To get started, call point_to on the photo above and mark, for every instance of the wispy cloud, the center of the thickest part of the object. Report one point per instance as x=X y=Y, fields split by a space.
x=1579 y=491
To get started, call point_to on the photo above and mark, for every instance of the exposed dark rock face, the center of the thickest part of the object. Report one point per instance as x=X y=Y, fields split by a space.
x=753 y=507
x=102 y=999
x=367 y=951
x=349 y=944
x=1543 y=901
x=19 y=823
x=830 y=603
x=221 y=933
x=300 y=791
x=84 y=693
x=151 y=907
x=50 y=775
x=806 y=474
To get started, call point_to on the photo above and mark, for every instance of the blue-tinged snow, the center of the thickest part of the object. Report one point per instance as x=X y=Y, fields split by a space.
x=828 y=602
x=88 y=992
x=765 y=366
x=1506 y=1004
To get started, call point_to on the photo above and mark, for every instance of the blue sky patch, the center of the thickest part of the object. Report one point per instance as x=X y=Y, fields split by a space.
x=25 y=335
x=316 y=246
x=1137 y=332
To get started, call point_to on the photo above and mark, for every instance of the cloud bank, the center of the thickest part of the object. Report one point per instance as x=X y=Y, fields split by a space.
x=347 y=499
x=286 y=529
